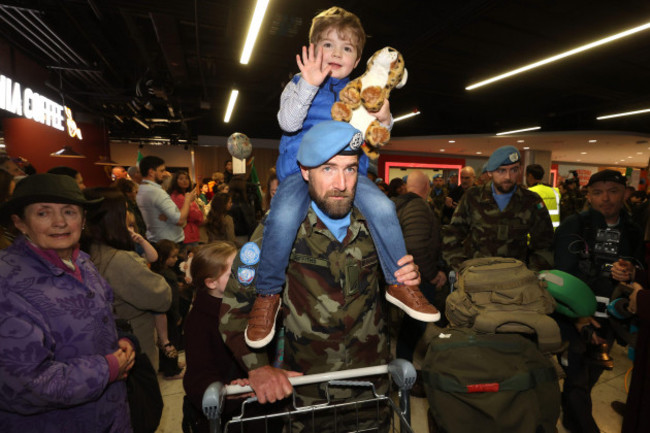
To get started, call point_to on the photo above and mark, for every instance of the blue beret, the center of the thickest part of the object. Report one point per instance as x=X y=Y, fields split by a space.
x=327 y=139
x=505 y=155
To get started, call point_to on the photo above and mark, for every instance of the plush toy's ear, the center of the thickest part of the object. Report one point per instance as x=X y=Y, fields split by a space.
x=404 y=78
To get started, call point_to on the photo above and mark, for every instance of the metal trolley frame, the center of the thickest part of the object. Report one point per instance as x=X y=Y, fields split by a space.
x=402 y=372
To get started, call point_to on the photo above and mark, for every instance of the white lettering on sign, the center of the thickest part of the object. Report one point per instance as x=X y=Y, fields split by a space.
x=38 y=108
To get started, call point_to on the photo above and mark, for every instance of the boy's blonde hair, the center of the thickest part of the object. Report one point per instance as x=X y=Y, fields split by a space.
x=210 y=261
x=345 y=23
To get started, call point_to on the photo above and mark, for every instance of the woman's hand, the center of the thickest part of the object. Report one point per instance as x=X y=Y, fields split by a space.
x=125 y=357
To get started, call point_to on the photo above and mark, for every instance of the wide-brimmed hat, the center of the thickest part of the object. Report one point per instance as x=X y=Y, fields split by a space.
x=45 y=188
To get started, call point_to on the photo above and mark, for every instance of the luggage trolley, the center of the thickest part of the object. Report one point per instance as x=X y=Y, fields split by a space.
x=402 y=372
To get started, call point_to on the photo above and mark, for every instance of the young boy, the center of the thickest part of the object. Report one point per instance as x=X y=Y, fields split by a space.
x=336 y=42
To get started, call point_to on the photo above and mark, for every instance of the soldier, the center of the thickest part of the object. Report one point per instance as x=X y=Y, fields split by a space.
x=572 y=202
x=332 y=302
x=496 y=218
x=438 y=195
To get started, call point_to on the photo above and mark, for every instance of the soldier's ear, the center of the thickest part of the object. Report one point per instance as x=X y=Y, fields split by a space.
x=305 y=173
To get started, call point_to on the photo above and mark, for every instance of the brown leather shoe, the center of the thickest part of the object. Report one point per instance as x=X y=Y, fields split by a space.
x=413 y=302
x=261 y=321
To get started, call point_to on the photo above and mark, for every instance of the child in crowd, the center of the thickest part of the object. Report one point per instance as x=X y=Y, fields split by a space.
x=167 y=324
x=142 y=246
x=336 y=41
x=208 y=358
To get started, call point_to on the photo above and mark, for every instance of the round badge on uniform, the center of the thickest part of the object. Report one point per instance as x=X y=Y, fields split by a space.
x=250 y=253
x=245 y=275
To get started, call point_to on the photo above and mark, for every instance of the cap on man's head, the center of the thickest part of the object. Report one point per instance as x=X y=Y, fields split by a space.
x=327 y=139
x=607 y=176
x=504 y=155
x=437 y=176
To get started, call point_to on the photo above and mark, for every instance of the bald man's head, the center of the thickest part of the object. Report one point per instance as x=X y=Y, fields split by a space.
x=467 y=177
x=418 y=183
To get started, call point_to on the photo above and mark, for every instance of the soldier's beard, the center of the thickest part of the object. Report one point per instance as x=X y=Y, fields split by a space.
x=333 y=208
x=504 y=187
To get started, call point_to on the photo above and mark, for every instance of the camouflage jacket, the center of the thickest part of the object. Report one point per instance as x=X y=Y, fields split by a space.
x=571 y=203
x=437 y=201
x=332 y=304
x=479 y=229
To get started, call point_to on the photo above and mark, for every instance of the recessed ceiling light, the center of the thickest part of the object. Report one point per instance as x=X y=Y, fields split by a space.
x=639 y=153
x=526 y=147
x=521 y=141
x=629 y=157
x=583 y=153
x=452 y=141
x=479 y=153
x=593 y=141
x=578 y=160
x=442 y=150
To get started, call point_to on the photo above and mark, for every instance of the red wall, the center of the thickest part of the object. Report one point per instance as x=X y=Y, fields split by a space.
x=35 y=142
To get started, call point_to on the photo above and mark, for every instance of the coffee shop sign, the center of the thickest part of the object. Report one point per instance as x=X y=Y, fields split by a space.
x=29 y=104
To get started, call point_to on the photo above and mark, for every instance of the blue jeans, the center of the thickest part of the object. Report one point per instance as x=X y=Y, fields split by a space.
x=288 y=210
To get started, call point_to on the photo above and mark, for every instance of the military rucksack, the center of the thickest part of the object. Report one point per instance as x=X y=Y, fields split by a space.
x=490 y=383
x=501 y=295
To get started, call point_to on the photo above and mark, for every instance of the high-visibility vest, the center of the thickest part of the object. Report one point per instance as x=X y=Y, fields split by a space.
x=551 y=197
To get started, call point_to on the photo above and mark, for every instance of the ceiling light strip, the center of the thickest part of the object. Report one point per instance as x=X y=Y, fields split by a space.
x=627 y=113
x=406 y=116
x=231 y=105
x=560 y=56
x=532 y=128
x=253 y=30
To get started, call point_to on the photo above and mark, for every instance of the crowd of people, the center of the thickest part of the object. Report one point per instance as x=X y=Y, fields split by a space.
x=213 y=270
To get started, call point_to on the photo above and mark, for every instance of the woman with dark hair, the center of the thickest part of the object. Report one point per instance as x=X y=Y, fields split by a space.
x=219 y=224
x=242 y=213
x=130 y=191
x=71 y=172
x=179 y=186
x=63 y=363
x=138 y=290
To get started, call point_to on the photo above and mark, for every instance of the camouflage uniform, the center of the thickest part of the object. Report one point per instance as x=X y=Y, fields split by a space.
x=332 y=304
x=571 y=203
x=437 y=201
x=479 y=229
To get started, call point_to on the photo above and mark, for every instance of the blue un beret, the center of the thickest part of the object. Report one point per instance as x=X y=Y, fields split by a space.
x=327 y=139
x=505 y=155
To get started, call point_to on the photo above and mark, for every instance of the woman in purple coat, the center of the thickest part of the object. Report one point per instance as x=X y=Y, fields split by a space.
x=62 y=364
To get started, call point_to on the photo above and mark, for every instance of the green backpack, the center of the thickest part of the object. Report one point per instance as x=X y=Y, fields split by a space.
x=490 y=383
x=501 y=295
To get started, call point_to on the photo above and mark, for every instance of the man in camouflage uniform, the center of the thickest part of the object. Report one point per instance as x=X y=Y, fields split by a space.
x=573 y=201
x=495 y=219
x=332 y=302
x=438 y=195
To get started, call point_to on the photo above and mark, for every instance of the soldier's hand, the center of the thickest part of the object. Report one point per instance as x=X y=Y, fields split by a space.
x=271 y=384
x=408 y=274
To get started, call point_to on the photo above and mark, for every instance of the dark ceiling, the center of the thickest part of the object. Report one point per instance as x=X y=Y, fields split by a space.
x=148 y=58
